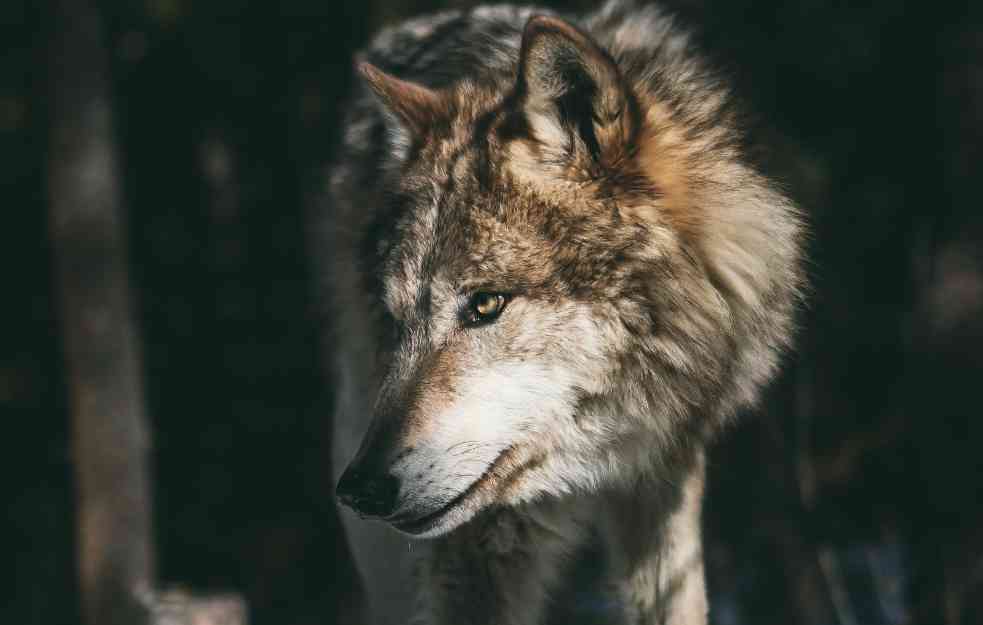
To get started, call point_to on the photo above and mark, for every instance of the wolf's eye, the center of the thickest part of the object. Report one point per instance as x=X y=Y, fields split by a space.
x=485 y=307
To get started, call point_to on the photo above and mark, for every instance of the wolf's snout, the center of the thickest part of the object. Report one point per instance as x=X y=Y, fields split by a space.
x=370 y=493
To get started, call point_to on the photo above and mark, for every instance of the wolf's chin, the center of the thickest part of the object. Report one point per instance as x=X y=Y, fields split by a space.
x=466 y=504
x=438 y=523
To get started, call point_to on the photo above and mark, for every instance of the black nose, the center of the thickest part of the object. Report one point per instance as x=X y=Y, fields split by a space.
x=369 y=495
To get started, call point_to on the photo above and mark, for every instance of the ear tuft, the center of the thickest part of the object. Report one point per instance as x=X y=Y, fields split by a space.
x=569 y=83
x=416 y=106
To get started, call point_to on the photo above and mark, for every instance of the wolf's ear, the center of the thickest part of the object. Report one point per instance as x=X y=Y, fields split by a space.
x=572 y=92
x=415 y=106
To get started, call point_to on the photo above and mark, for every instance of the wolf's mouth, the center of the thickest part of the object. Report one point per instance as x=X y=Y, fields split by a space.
x=425 y=523
x=429 y=521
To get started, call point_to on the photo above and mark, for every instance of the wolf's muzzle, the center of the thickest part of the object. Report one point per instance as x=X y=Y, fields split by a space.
x=369 y=493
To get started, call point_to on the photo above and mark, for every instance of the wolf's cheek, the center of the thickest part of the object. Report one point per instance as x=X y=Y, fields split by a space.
x=490 y=428
x=503 y=405
x=506 y=406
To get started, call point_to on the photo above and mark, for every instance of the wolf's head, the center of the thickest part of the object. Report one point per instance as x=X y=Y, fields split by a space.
x=582 y=280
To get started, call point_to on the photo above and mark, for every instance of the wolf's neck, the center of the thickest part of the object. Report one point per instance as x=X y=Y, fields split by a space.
x=512 y=558
x=655 y=546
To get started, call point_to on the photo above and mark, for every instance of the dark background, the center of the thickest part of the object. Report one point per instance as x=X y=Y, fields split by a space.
x=853 y=497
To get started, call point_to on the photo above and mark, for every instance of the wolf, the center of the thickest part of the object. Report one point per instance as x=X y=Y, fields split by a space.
x=554 y=276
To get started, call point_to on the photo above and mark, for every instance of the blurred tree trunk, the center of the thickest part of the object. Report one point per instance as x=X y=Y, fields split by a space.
x=110 y=431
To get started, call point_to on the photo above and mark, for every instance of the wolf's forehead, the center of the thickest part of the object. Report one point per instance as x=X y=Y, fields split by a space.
x=451 y=241
x=433 y=234
x=410 y=261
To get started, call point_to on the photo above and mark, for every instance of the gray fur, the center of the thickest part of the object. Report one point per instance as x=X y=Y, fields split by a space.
x=594 y=173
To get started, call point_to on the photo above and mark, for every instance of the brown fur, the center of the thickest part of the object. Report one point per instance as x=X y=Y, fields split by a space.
x=593 y=173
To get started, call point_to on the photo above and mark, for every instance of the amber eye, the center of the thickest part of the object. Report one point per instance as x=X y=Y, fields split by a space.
x=485 y=307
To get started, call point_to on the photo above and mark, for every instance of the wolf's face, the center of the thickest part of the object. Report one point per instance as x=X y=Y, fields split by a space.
x=555 y=320
x=502 y=338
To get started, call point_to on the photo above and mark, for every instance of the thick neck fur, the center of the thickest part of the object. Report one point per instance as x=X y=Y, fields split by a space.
x=521 y=556
x=653 y=278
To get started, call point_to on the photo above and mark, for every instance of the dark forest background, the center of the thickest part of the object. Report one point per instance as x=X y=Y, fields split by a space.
x=854 y=496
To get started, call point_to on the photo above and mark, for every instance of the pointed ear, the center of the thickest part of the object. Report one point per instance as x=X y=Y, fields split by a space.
x=572 y=91
x=417 y=107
